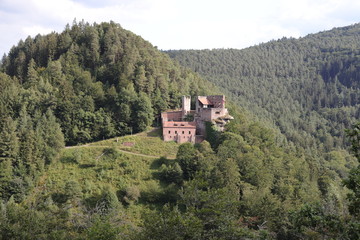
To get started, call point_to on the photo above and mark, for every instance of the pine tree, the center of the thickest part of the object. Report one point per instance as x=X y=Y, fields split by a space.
x=9 y=143
x=52 y=135
x=26 y=136
x=32 y=77
x=9 y=151
x=140 y=79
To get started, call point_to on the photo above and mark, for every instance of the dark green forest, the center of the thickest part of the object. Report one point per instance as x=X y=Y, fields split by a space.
x=307 y=88
x=281 y=170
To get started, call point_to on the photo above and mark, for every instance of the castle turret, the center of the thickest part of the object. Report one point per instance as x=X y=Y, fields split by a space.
x=186 y=105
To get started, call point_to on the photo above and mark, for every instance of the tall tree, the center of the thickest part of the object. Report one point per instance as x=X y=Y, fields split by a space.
x=9 y=152
x=32 y=77
x=52 y=135
x=353 y=181
x=143 y=113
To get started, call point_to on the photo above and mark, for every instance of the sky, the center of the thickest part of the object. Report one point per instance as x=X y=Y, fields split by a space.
x=180 y=24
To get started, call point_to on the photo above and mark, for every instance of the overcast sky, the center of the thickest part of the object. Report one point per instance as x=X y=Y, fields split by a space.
x=181 y=24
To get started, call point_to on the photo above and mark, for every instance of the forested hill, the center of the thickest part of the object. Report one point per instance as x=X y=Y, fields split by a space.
x=87 y=83
x=308 y=88
x=94 y=82
x=98 y=80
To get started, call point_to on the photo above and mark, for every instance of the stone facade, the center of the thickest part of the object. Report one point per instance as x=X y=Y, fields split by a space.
x=179 y=132
x=208 y=109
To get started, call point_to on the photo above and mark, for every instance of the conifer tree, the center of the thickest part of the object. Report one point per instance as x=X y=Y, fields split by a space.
x=32 y=77
x=9 y=143
x=26 y=136
x=9 y=151
x=52 y=135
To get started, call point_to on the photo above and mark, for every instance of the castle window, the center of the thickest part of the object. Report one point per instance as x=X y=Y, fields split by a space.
x=189 y=132
x=169 y=131
x=175 y=132
x=182 y=132
x=217 y=112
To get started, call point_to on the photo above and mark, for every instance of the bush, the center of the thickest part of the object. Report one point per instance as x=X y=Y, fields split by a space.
x=151 y=192
x=171 y=174
x=132 y=193
x=111 y=153
x=109 y=199
x=73 y=190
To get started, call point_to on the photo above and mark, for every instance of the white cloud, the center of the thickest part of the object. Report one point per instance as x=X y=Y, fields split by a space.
x=174 y=24
x=36 y=29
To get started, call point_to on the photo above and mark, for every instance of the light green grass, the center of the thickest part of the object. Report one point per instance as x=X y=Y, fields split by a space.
x=99 y=164
x=147 y=143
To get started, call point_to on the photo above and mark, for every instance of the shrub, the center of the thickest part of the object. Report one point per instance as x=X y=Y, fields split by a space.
x=171 y=174
x=132 y=193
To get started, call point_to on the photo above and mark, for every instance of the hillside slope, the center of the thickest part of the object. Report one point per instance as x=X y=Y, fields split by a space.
x=308 y=88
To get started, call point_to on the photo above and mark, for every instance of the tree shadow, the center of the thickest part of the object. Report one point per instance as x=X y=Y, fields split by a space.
x=59 y=198
x=68 y=159
x=160 y=161
x=156 y=132
x=87 y=165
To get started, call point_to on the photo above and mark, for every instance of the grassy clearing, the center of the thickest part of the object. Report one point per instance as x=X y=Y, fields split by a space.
x=147 y=143
x=97 y=165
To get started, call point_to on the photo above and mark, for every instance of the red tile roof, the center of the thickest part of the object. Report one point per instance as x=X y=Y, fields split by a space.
x=204 y=100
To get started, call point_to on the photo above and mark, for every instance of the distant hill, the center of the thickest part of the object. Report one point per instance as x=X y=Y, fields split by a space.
x=308 y=88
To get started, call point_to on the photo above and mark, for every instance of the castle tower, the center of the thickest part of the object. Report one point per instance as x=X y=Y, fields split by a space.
x=186 y=105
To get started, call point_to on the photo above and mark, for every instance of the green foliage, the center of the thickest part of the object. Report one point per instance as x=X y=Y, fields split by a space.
x=353 y=180
x=109 y=199
x=52 y=136
x=99 y=80
x=255 y=181
x=143 y=113
x=9 y=140
x=132 y=193
x=73 y=189
x=18 y=222
x=306 y=89
x=187 y=161
x=102 y=229
x=310 y=221
x=212 y=135
x=171 y=224
x=171 y=173
x=353 y=183
x=354 y=135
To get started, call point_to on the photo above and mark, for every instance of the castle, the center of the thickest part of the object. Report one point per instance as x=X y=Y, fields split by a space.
x=188 y=125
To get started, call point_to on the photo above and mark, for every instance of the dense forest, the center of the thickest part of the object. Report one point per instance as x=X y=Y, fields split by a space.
x=286 y=176
x=307 y=88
